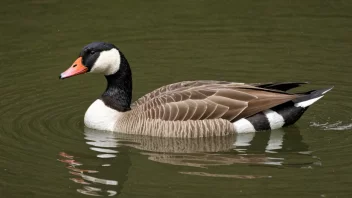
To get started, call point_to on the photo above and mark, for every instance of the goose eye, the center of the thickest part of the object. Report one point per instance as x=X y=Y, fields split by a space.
x=92 y=52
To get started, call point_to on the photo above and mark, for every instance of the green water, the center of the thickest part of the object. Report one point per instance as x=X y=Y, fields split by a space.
x=45 y=151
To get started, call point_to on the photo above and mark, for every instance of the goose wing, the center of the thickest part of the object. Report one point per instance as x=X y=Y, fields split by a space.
x=281 y=86
x=199 y=100
x=175 y=87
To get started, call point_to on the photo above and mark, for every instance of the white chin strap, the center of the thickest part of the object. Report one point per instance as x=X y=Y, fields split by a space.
x=107 y=63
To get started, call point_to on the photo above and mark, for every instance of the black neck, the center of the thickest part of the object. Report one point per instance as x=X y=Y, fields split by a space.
x=118 y=93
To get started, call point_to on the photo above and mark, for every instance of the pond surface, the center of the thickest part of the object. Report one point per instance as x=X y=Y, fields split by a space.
x=45 y=150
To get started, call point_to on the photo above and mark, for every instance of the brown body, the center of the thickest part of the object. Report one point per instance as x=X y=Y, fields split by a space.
x=197 y=108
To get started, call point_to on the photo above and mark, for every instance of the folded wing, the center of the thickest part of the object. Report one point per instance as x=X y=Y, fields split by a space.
x=199 y=100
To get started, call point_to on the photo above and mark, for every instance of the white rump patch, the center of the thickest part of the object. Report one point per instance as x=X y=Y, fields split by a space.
x=307 y=103
x=101 y=117
x=107 y=63
x=275 y=120
x=243 y=126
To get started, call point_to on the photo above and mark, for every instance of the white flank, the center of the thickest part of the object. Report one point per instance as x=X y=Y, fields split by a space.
x=275 y=120
x=107 y=63
x=243 y=126
x=307 y=103
x=101 y=117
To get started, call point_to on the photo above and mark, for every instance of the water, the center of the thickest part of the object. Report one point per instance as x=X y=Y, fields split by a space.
x=45 y=151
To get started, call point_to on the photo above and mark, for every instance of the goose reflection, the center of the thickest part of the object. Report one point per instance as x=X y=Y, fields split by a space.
x=111 y=150
x=247 y=148
x=102 y=180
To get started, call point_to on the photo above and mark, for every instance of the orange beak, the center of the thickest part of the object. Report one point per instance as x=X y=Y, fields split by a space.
x=76 y=69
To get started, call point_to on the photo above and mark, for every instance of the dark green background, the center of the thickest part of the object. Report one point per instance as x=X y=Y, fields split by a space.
x=166 y=42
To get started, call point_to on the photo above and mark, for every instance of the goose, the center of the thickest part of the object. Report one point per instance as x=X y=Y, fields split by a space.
x=187 y=109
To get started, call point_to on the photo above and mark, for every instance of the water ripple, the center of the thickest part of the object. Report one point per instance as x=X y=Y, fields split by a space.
x=337 y=126
x=104 y=145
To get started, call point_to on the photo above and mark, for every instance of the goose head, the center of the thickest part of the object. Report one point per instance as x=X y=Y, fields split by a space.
x=96 y=57
x=107 y=59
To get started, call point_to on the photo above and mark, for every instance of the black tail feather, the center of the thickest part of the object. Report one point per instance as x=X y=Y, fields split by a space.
x=312 y=94
x=287 y=113
x=282 y=86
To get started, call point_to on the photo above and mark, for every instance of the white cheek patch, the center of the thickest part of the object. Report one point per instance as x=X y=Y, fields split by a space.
x=107 y=63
